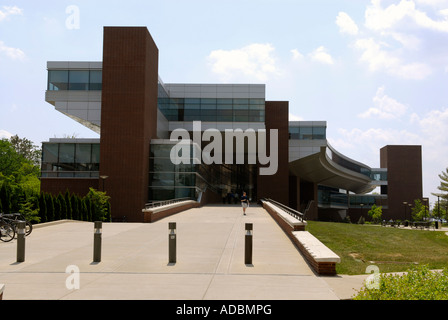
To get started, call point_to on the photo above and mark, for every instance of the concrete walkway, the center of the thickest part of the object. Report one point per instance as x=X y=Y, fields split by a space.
x=134 y=265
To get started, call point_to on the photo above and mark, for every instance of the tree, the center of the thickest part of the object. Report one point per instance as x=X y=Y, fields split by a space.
x=99 y=205
x=375 y=213
x=30 y=210
x=42 y=208
x=419 y=210
x=443 y=185
x=26 y=149
x=49 y=203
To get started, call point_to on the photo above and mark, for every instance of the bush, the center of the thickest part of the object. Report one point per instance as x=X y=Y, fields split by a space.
x=417 y=284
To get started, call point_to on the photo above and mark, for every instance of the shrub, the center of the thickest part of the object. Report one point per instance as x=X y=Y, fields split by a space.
x=419 y=283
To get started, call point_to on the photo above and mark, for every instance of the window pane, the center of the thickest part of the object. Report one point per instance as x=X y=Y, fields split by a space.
x=306 y=133
x=83 y=152
x=79 y=80
x=95 y=153
x=318 y=133
x=67 y=153
x=50 y=153
x=57 y=80
x=96 y=80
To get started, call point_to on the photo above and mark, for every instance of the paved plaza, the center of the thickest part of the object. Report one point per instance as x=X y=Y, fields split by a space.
x=134 y=262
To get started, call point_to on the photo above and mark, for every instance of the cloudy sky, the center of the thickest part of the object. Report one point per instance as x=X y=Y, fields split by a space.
x=375 y=70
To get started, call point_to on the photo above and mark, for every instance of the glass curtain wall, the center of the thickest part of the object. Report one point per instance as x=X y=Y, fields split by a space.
x=170 y=181
x=211 y=110
x=78 y=80
x=70 y=160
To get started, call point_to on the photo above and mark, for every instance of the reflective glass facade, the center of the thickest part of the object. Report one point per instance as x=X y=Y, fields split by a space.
x=307 y=133
x=170 y=181
x=211 y=109
x=70 y=160
x=80 y=80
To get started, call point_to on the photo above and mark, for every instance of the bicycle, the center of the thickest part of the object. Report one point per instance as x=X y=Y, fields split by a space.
x=13 y=220
x=7 y=232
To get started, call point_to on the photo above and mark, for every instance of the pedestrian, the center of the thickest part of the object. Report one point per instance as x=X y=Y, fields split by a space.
x=244 y=202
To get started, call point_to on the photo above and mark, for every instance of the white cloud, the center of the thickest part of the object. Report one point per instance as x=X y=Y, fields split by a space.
x=384 y=107
x=321 y=55
x=8 y=11
x=13 y=53
x=346 y=24
x=379 y=59
x=296 y=55
x=5 y=134
x=293 y=117
x=255 y=61
x=379 y=18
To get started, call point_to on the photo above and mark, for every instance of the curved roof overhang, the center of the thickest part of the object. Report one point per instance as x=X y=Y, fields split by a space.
x=320 y=169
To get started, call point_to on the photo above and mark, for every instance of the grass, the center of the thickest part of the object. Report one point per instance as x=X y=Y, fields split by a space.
x=390 y=249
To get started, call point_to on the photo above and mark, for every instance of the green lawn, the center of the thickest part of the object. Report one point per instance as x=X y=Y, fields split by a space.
x=390 y=249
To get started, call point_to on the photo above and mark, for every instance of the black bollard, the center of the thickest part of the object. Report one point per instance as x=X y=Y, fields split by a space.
x=172 y=242
x=21 y=241
x=248 y=244
x=97 y=241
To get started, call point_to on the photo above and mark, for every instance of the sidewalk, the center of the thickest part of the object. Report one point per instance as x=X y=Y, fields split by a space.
x=134 y=262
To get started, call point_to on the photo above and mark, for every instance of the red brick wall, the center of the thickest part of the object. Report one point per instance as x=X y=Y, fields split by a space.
x=276 y=186
x=60 y=185
x=128 y=117
x=404 y=177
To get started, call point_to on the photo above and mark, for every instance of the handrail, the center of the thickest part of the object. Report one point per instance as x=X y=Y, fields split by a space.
x=155 y=204
x=296 y=214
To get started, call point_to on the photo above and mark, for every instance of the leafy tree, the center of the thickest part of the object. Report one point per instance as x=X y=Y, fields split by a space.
x=5 y=198
x=419 y=211
x=30 y=210
x=26 y=149
x=42 y=208
x=49 y=203
x=69 y=206
x=99 y=204
x=375 y=213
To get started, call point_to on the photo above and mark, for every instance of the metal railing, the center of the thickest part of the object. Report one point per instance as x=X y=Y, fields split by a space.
x=296 y=214
x=155 y=204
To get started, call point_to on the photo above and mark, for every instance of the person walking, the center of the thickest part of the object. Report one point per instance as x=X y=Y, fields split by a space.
x=244 y=202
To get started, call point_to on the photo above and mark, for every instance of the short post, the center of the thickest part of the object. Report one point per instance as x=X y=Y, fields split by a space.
x=98 y=225
x=21 y=241
x=248 y=244
x=172 y=242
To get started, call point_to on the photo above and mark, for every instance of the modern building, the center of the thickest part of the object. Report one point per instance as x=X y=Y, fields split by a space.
x=123 y=99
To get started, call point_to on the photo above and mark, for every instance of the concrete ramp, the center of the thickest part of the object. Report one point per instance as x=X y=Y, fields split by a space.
x=134 y=264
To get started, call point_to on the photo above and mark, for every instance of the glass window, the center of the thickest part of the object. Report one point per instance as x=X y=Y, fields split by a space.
x=96 y=80
x=79 y=80
x=57 y=80
x=50 y=152
x=319 y=132
x=241 y=116
x=95 y=153
x=225 y=115
x=67 y=153
x=83 y=153
x=306 y=133
x=224 y=101
x=241 y=101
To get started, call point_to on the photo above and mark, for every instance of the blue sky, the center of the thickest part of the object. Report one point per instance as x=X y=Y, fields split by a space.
x=376 y=71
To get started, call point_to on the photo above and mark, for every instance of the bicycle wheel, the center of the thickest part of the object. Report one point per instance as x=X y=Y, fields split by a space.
x=28 y=228
x=7 y=233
